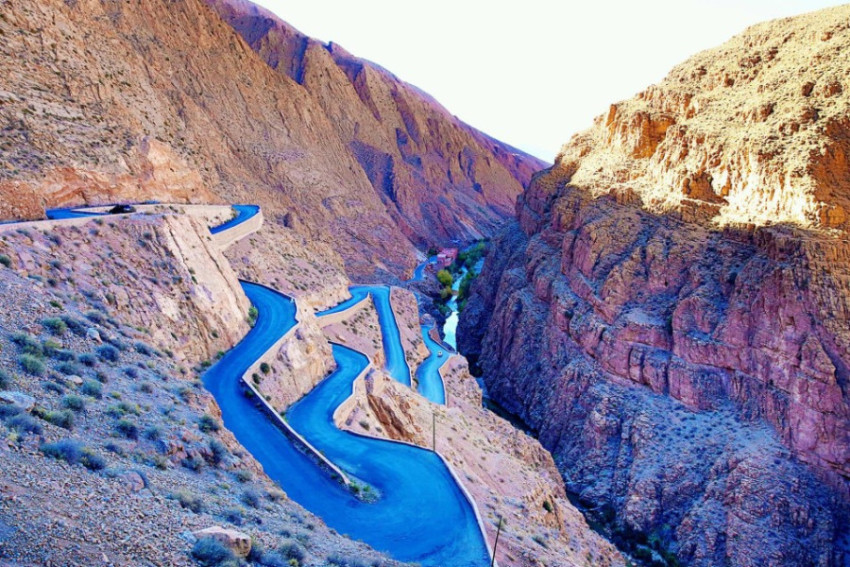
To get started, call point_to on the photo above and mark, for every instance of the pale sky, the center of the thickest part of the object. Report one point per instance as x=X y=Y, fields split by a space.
x=533 y=73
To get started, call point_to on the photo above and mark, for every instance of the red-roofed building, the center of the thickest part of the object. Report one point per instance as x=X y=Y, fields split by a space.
x=446 y=256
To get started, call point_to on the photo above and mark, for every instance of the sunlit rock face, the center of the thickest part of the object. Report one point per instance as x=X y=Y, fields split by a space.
x=170 y=103
x=438 y=178
x=670 y=313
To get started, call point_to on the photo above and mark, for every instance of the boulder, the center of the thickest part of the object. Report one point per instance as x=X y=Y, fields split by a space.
x=92 y=334
x=239 y=543
x=75 y=380
x=20 y=400
x=133 y=481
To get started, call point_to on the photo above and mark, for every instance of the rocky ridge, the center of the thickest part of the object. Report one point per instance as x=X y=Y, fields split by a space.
x=439 y=178
x=669 y=316
x=753 y=132
x=171 y=104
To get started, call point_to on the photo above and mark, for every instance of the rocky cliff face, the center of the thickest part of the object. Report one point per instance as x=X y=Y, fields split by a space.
x=672 y=317
x=752 y=132
x=438 y=178
x=107 y=101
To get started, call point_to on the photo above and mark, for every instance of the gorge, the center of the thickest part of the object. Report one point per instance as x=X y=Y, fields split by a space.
x=658 y=318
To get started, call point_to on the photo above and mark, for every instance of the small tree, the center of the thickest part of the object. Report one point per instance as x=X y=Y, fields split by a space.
x=445 y=278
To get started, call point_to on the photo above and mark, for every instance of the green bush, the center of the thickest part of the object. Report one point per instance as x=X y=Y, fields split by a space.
x=5 y=379
x=265 y=368
x=55 y=325
x=142 y=348
x=210 y=552
x=123 y=408
x=5 y=260
x=108 y=353
x=292 y=550
x=92 y=460
x=127 y=428
x=445 y=278
x=63 y=355
x=189 y=501
x=252 y=498
x=69 y=369
x=24 y=423
x=193 y=463
x=31 y=364
x=77 y=326
x=95 y=316
x=28 y=344
x=62 y=418
x=243 y=475
x=49 y=347
x=73 y=452
x=153 y=433
x=66 y=450
x=208 y=423
x=337 y=560
x=446 y=293
x=50 y=386
x=234 y=516
x=88 y=359
x=92 y=388
x=252 y=315
x=73 y=403
x=218 y=452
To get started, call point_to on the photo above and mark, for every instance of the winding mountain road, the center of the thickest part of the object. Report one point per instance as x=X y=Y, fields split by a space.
x=420 y=513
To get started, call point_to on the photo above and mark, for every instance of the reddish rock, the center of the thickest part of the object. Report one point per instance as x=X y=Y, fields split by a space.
x=172 y=104
x=693 y=377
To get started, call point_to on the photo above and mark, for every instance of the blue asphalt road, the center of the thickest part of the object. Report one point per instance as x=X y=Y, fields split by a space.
x=428 y=373
x=243 y=213
x=58 y=214
x=430 y=384
x=419 y=272
x=420 y=515
x=394 y=352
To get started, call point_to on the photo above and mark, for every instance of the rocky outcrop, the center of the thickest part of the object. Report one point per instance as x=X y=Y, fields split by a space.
x=301 y=360
x=753 y=132
x=406 y=310
x=438 y=178
x=110 y=264
x=677 y=336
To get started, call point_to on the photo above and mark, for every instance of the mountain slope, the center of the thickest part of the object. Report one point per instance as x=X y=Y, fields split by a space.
x=109 y=101
x=670 y=316
x=439 y=178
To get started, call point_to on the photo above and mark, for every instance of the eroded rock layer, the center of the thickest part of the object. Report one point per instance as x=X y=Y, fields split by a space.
x=136 y=101
x=677 y=335
x=438 y=178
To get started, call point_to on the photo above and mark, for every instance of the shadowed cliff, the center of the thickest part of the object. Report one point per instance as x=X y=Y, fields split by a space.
x=670 y=314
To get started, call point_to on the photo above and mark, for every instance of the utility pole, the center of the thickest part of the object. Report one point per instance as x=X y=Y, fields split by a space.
x=496 y=543
x=434 y=431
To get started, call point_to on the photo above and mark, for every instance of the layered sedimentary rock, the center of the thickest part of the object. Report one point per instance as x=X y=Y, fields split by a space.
x=439 y=178
x=136 y=101
x=670 y=315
